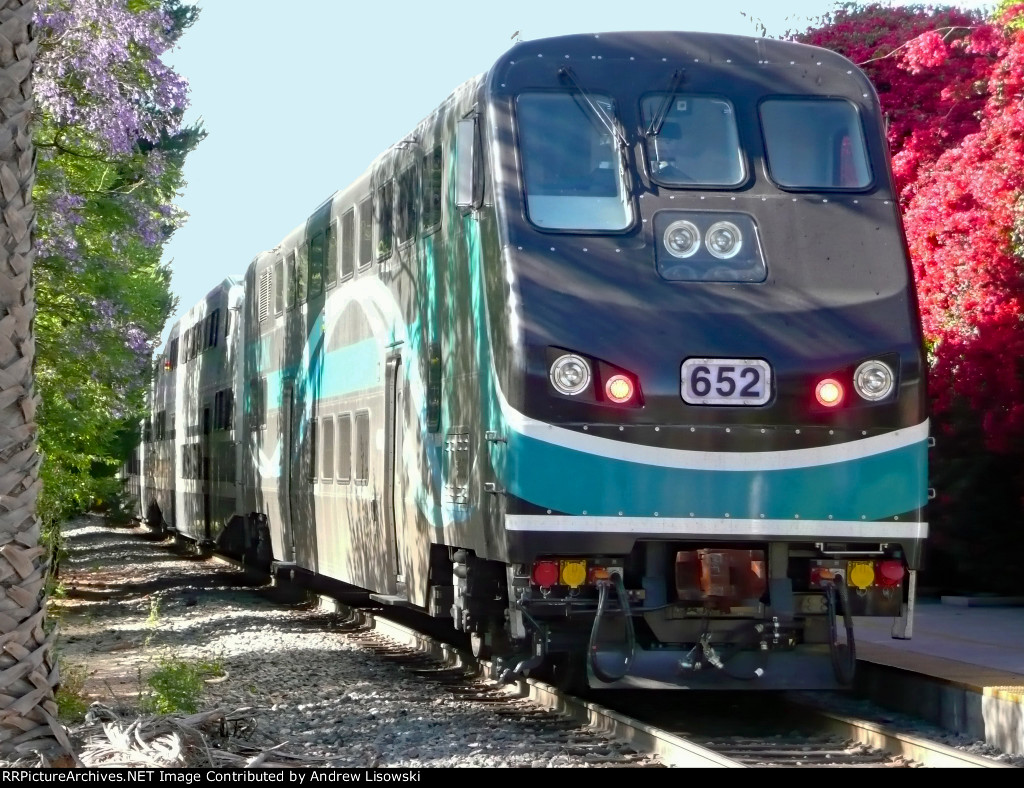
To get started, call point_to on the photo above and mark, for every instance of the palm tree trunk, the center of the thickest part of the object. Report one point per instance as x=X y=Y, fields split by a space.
x=28 y=672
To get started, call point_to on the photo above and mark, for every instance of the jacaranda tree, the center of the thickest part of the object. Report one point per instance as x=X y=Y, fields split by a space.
x=111 y=151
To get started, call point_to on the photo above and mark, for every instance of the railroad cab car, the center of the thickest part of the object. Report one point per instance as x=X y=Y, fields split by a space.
x=685 y=404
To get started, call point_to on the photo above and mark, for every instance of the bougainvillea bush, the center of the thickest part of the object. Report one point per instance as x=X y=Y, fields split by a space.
x=952 y=85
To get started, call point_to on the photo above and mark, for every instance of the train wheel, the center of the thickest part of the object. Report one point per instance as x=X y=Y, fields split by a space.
x=564 y=671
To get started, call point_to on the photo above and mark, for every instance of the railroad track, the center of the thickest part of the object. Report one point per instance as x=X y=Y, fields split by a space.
x=836 y=740
x=586 y=727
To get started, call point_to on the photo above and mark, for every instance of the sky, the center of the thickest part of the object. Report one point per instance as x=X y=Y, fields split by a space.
x=298 y=98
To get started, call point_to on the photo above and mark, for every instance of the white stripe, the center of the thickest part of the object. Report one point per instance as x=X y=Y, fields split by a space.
x=719 y=527
x=710 y=460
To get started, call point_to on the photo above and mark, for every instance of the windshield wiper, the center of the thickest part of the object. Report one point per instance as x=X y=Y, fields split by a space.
x=599 y=112
x=659 y=118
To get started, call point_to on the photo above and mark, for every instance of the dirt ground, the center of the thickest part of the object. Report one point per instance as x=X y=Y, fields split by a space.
x=120 y=588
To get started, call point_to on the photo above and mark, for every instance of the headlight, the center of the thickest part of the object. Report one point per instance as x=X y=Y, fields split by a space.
x=724 y=240
x=570 y=374
x=873 y=380
x=682 y=238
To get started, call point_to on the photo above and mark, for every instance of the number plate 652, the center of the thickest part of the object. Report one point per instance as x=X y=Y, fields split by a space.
x=726 y=381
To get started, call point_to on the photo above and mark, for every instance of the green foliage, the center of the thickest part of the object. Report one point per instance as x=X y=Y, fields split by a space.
x=71 y=702
x=1010 y=13
x=176 y=685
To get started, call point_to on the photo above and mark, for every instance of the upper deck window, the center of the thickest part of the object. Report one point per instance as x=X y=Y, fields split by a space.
x=572 y=169
x=692 y=140
x=814 y=143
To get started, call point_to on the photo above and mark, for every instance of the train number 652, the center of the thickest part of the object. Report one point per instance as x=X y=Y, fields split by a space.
x=726 y=381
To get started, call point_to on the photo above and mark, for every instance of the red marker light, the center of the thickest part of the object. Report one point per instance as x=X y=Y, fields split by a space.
x=829 y=392
x=619 y=389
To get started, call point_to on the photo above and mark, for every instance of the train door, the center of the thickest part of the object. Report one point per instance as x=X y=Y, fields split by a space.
x=204 y=474
x=301 y=453
x=394 y=529
x=287 y=462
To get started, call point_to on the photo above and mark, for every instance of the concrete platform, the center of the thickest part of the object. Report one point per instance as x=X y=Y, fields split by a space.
x=962 y=669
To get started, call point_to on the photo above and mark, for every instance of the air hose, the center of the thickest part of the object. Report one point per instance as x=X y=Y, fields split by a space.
x=592 y=646
x=844 y=667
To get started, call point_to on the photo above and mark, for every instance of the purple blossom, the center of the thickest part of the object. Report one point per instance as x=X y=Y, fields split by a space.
x=59 y=214
x=99 y=68
x=136 y=340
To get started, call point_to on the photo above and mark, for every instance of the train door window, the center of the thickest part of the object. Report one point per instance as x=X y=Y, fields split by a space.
x=692 y=140
x=222 y=407
x=430 y=209
x=345 y=448
x=405 y=209
x=214 y=327
x=365 y=232
x=316 y=265
x=815 y=143
x=264 y=296
x=256 y=409
x=385 y=228
x=278 y=287
x=573 y=169
x=289 y=294
x=327 y=449
x=331 y=254
x=301 y=273
x=362 y=469
x=347 y=243
x=311 y=451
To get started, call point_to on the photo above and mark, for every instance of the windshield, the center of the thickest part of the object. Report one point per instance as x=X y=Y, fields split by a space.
x=572 y=169
x=696 y=141
x=815 y=144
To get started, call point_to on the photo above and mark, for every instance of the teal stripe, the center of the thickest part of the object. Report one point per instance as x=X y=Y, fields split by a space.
x=346 y=370
x=351 y=368
x=573 y=482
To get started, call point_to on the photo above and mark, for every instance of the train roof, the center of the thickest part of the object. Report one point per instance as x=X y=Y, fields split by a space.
x=676 y=46
x=777 y=65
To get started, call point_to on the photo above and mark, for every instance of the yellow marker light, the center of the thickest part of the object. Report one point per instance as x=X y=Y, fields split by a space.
x=829 y=392
x=619 y=388
x=861 y=574
x=574 y=573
